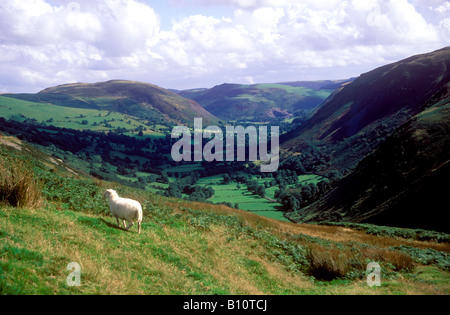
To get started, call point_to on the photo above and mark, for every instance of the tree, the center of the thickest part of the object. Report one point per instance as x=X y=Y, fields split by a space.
x=123 y=171
x=97 y=159
x=163 y=179
x=324 y=187
x=282 y=185
x=173 y=191
x=307 y=193
x=197 y=196
x=209 y=192
x=291 y=203
x=226 y=179
x=314 y=191
x=261 y=191
x=278 y=194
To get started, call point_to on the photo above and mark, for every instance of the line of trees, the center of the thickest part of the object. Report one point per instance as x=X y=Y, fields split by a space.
x=187 y=185
x=297 y=198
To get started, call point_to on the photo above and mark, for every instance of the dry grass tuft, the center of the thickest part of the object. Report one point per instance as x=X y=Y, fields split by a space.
x=399 y=260
x=18 y=186
x=328 y=263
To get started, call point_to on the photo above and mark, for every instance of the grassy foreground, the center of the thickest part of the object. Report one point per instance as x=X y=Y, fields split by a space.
x=178 y=252
x=193 y=248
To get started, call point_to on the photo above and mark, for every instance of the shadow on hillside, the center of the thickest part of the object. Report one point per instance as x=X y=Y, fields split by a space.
x=113 y=225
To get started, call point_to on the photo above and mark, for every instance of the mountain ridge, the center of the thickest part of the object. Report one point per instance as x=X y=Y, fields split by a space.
x=400 y=181
x=348 y=107
x=143 y=100
x=257 y=102
x=356 y=118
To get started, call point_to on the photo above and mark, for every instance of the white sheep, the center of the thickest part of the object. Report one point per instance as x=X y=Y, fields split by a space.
x=125 y=209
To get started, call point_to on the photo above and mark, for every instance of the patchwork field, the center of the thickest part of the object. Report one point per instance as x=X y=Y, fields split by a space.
x=75 y=118
x=247 y=201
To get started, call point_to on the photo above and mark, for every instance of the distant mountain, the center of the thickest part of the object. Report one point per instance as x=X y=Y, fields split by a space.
x=260 y=102
x=391 y=129
x=138 y=99
x=356 y=117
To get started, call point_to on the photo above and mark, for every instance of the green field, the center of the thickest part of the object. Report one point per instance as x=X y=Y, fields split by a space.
x=247 y=201
x=242 y=197
x=308 y=179
x=323 y=93
x=73 y=118
x=184 y=168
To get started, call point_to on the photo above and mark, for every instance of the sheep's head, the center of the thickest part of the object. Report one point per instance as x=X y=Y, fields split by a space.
x=110 y=193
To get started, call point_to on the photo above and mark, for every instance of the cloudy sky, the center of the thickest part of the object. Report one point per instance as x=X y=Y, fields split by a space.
x=201 y=43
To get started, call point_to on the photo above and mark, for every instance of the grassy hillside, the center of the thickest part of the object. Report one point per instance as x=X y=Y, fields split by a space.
x=187 y=247
x=402 y=87
x=389 y=130
x=402 y=183
x=321 y=84
x=358 y=117
x=259 y=102
x=76 y=118
x=141 y=100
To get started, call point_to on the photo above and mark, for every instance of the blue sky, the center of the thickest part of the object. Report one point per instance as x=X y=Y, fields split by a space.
x=186 y=44
x=172 y=11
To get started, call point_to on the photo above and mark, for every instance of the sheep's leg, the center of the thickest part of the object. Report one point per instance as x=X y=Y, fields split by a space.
x=139 y=227
x=128 y=227
x=124 y=223
x=117 y=219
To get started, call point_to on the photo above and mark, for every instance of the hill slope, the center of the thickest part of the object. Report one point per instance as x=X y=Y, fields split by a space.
x=321 y=84
x=189 y=248
x=138 y=99
x=260 y=102
x=403 y=183
x=399 y=115
x=372 y=107
x=75 y=117
x=380 y=94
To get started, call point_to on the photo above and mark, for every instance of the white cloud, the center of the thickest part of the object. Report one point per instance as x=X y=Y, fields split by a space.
x=44 y=43
x=244 y=4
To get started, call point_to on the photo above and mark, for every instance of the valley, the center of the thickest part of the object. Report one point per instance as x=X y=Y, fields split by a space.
x=260 y=102
x=101 y=140
x=361 y=177
x=191 y=248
